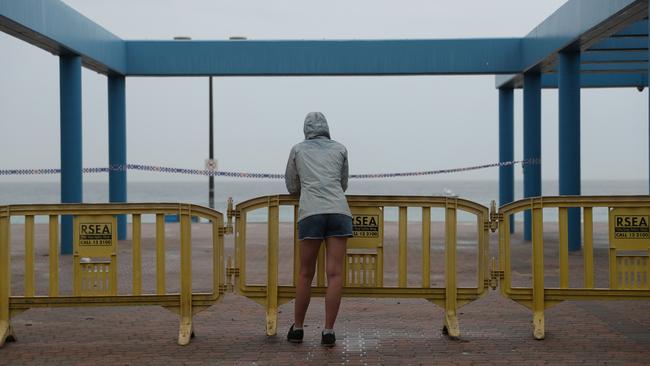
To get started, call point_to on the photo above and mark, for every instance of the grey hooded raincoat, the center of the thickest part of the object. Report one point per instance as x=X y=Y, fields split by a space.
x=318 y=170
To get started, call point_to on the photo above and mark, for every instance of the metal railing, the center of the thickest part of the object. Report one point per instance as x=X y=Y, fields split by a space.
x=95 y=260
x=628 y=274
x=450 y=297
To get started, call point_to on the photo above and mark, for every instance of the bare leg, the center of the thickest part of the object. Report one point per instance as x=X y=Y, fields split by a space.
x=335 y=247
x=308 y=256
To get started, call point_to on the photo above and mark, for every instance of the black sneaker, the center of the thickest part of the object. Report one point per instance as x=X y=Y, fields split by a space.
x=295 y=336
x=328 y=340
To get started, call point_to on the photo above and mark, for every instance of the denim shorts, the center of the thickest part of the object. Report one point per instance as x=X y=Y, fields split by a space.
x=323 y=226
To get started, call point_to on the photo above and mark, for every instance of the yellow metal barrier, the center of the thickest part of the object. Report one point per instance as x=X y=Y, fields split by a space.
x=96 y=257
x=629 y=250
x=95 y=261
x=364 y=265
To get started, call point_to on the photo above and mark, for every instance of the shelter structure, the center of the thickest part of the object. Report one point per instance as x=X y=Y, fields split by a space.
x=584 y=44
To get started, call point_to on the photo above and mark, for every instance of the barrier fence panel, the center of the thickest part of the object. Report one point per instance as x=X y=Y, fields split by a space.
x=364 y=269
x=95 y=273
x=628 y=253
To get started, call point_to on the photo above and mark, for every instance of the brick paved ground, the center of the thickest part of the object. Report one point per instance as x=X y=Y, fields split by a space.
x=370 y=331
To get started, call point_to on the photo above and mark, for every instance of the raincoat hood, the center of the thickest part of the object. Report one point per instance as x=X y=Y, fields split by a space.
x=317 y=170
x=316 y=126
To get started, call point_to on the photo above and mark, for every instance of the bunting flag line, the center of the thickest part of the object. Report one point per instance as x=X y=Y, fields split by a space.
x=253 y=175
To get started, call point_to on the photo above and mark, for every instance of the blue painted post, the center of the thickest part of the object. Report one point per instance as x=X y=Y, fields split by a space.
x=117 y=146
x=569 y=133
x=71 y=148
x=507 y=149
x=532 y=142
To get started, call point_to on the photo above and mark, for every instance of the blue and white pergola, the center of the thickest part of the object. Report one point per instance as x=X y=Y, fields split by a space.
x=584 y=44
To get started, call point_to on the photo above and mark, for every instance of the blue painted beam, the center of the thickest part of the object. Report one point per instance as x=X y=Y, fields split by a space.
x=71 y=141
x=568 y=24
x=637 y=29
x=576 y=22
x=569 y=139
x=550 y=81
x=117 y=146
x=611 y=68
x=597 y=80
x=532 y=142
x=284 y=58
x=58 y=28
x=597 y=57
x=621 y=44
x=507 y=149
x=623 y=66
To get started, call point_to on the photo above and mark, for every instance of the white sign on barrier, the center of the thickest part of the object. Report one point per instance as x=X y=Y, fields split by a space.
x=211 y=165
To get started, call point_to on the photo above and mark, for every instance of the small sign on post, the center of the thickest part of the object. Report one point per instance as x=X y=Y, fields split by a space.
x=211 y=165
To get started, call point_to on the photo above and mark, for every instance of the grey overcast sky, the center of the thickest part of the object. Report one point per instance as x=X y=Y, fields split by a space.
x=388 y=123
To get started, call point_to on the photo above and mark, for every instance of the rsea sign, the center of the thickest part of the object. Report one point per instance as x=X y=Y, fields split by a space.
x=629 y=228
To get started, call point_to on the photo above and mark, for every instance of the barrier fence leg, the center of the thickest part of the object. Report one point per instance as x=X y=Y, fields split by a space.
x=450 y=327
x=6 y=331
x=186 y=332
x=538 y=272
x=240 y=250
x=272 y=258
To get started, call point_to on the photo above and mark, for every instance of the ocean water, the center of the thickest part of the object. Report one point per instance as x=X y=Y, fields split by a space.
x=195 y=192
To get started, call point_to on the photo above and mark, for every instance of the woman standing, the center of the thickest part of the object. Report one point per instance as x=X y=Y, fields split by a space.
x=318 y=170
